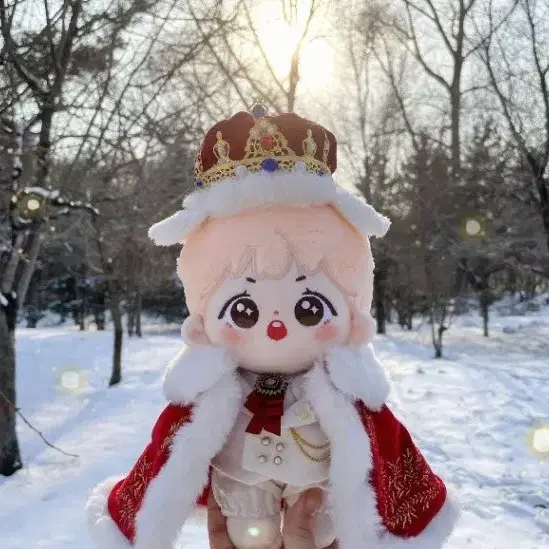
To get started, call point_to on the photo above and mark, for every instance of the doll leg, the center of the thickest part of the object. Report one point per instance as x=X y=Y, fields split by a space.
x=323 y=529
x=323 y=525
x=254 y=533
x=253 y=512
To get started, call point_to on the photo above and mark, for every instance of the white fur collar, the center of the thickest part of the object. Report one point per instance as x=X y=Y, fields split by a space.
x=193 y=370
x=352 y=499
x=357 y=372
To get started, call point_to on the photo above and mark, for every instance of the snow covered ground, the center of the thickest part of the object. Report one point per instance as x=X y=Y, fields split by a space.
x=471 y=413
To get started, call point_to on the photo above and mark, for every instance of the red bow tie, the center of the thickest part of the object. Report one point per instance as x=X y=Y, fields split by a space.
x=268 y=411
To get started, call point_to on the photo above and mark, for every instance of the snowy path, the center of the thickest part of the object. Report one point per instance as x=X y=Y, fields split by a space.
x=471 y=414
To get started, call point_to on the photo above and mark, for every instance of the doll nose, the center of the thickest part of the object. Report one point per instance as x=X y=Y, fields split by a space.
x=277 y=330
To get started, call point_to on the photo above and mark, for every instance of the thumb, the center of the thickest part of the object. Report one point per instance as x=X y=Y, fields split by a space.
x=298 y=521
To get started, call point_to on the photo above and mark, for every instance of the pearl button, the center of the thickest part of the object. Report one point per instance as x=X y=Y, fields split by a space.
x=280 y=446
x=266 y=441
x=262 y=459
x=277 y=460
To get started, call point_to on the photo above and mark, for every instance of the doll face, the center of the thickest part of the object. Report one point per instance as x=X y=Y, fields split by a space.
x=279 y=325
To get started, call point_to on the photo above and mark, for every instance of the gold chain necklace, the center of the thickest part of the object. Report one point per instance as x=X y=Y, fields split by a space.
x=301 y=443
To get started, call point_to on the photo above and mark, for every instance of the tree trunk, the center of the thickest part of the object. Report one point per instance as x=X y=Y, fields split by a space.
x=130 y=320
x=32 y=251
x=438 y=350
x=138 y=307
x=485 y=321
x=99 y=309
x=379 y=300
x=401 y=314
x=116 y=375
x=83 y=306
x=100 y=320
x=484 y=311
x=437 y=339
x=543 y=192
x=10 y=457
x=455 y=100
x=10 y=269
x=438 y=332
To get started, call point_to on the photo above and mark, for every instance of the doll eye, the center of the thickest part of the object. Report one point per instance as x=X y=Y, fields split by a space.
x=244 y=313
x=309 y=311
x=313 y=308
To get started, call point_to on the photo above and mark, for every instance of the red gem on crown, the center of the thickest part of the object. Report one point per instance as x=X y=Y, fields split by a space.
x=267 y=141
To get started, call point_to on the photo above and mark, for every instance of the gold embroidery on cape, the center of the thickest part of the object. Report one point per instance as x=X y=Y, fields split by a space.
x=127 y=508
x=171 y=432
x=141 y=478
x=399 y=478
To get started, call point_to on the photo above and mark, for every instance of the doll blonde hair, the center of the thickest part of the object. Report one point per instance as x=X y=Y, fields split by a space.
x=266 y=241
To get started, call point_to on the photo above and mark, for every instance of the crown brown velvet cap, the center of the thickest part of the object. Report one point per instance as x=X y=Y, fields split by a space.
x=236 y=131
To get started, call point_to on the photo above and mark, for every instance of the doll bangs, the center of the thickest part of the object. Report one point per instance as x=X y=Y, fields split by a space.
x=266 y=242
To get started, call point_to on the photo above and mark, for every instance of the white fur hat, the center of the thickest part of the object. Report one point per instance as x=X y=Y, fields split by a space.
x=249 y=160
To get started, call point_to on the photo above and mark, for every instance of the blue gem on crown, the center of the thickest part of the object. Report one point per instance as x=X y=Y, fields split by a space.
x=269 y=164
x=259 y=110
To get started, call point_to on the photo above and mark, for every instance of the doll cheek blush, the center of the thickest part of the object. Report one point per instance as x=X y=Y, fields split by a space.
x=326 y=333
x=230 y=336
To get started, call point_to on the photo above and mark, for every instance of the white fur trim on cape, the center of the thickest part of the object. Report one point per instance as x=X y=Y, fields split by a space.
x=171 y=495
x=193 y=370
x=104 y=531
x=357 y=372
x=292 y=188
x=352 y=499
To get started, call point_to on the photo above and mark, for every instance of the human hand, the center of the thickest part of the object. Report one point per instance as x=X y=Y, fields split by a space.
x=298 y=524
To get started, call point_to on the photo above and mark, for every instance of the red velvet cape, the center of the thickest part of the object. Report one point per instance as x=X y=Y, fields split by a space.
x=408 y=493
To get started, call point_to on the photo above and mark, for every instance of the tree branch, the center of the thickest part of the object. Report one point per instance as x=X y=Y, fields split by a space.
x=33 y=428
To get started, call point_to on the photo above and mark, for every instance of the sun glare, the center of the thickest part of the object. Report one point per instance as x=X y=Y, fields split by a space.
x=279 y=41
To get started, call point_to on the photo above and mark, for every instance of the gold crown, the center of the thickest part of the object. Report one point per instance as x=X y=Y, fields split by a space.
x=266 y=149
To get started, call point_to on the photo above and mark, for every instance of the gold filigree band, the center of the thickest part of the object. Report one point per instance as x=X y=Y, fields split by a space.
x=266 y=149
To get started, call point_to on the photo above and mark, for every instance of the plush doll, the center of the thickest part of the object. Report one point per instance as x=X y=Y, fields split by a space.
x=278 y=388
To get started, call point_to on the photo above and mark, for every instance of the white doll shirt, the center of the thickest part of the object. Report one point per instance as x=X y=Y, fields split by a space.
x=254 y=459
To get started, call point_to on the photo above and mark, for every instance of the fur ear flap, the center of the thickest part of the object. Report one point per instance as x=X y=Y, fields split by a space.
x=363 y=328
x=174 y=229
x=195 y=369
x=357 y=372
x=193 y=331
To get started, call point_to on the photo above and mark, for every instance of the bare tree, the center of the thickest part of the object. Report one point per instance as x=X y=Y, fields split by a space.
x=514 y=52
x=29 y=209
x=243 y=68
x=369 y=120
x=437 y=34
x=37 y=66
